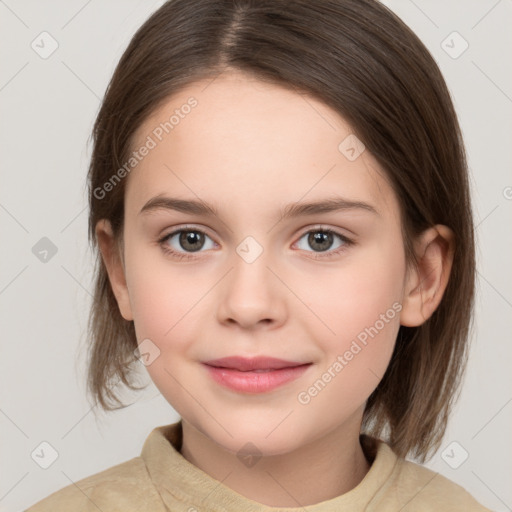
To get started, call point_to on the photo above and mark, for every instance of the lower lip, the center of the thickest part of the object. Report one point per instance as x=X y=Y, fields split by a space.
x=255 y=382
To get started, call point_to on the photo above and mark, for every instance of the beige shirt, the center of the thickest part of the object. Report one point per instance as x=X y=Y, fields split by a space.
x=162 y=480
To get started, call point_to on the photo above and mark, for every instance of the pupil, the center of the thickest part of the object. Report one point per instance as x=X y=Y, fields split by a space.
x=324 y=240
x=189 y=240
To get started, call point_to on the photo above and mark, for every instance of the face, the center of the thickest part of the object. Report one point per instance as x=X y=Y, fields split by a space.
x=319 y=287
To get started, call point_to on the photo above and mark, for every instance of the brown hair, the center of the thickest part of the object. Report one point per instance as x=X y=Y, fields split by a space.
x=360 y=59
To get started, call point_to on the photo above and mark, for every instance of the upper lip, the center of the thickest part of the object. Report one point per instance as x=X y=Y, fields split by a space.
x=245 y=364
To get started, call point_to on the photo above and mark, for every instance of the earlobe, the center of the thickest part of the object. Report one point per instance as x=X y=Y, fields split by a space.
x=113 y=262
x=425 y=284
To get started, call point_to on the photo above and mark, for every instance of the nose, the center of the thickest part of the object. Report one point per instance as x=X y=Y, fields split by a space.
x=251 y=296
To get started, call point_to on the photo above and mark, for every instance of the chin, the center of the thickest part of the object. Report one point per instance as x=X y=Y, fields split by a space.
x=262 y=441
x=245 y=445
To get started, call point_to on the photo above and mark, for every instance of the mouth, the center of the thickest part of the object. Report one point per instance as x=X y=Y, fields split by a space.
x=256 y=375
x=260 y=364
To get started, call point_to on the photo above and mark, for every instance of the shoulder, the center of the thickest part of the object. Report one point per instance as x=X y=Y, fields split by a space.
x=419 y=488
x=126 y=486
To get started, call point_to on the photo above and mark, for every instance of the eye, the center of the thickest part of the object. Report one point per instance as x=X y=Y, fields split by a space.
x=321 y=240
x=183 y=241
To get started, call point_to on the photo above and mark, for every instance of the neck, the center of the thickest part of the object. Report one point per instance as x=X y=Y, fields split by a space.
x=321 y=470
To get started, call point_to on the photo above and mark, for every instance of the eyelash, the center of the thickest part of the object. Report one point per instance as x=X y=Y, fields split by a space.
x=347 y=242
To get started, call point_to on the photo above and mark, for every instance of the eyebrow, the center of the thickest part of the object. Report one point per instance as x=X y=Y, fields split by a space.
x=199 y=207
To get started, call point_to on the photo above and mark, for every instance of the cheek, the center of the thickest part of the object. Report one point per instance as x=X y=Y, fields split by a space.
x=353 y=297
x=165 y=297
x=169 y=310
x=360 y=308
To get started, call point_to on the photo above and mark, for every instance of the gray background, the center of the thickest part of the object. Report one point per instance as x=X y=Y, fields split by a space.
x=47 y=110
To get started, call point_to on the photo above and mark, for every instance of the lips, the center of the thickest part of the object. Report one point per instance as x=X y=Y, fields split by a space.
x=259 y=364
x=254 y=375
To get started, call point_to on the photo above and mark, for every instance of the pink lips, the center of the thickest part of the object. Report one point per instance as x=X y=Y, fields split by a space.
x=254 y=375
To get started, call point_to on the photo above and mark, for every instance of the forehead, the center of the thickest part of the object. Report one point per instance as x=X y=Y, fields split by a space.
x=256 y=143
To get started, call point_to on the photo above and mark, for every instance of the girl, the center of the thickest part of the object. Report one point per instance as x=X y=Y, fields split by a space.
x=279 y=199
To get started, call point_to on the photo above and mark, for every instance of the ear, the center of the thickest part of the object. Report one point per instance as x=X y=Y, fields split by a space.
x=114 y=264
x=426 y=284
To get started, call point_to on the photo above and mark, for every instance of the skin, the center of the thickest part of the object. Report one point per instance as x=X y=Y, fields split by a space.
x=249 y=148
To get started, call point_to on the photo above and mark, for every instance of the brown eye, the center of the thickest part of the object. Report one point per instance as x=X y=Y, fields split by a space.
x=184 y=241
x=322 y=240
x=191 y=240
